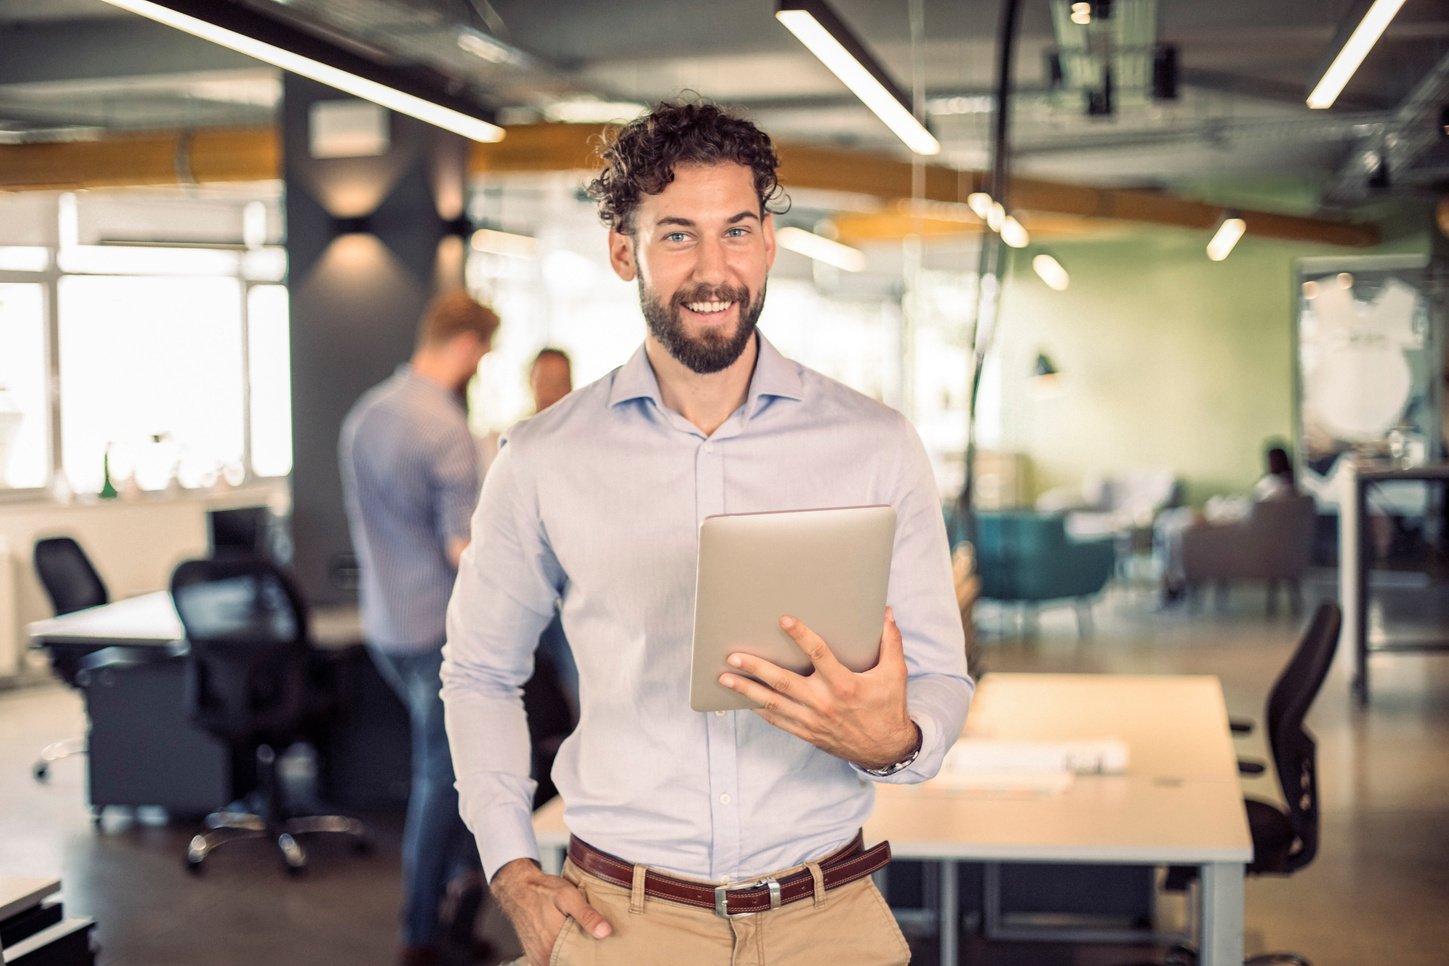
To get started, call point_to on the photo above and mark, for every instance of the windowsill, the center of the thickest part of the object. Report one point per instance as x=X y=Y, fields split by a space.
x=274 y=491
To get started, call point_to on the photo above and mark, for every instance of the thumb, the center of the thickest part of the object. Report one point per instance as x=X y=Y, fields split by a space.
x=892 y=647
x=571 y=903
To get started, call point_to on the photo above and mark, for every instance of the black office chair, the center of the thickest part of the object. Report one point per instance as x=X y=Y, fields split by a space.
x=1285 y=839
x=72 y=584
x=250 y=681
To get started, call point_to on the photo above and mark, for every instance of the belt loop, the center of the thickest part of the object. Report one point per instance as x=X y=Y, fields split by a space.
x=636 y=893
x=819 y=878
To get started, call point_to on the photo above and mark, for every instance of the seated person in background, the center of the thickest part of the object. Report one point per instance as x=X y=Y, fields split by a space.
x=1279 y=482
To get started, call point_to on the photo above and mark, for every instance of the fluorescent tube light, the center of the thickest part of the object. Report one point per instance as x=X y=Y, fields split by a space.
x=431 y=111
x=1014 y=233
x=1051 y=271
x=1230 y=229
x=1352 y=53
x=821 y=249
x=817 y=27
x=508 y=243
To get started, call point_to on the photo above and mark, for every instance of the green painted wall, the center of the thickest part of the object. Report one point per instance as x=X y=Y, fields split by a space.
x=1166 y=358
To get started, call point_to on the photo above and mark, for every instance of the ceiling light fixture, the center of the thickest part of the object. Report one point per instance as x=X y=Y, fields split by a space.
x=1014 y=233
x=292 y=50
x=1352 y=51
x=1081 y=13
x=820 y=248
x=1051 y=271
x=820 y=30
x=508 y=243
x=1229 y=230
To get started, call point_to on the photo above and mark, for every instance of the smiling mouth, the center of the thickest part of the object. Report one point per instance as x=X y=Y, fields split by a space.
x=708 y=308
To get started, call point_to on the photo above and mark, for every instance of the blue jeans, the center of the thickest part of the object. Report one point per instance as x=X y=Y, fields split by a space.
x=436 y=844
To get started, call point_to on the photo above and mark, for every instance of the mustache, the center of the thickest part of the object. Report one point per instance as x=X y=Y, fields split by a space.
x=712 y=293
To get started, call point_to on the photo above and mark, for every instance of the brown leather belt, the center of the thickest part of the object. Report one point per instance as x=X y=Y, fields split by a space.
x=852 y=862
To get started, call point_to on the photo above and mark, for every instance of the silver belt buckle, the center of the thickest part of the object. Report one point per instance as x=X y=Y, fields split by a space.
x=721 y=896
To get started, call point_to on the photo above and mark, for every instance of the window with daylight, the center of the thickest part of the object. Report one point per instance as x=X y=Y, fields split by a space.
x=24 y=411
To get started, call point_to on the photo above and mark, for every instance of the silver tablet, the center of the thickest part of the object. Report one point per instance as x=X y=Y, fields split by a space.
x=828 y=568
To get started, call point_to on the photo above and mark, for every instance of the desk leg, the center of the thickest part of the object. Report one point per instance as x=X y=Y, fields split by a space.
x=1353 y=578
x=1220 y=911
x=949 y=917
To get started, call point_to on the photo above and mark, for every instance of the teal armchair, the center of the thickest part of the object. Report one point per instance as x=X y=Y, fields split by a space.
x=1028 y=558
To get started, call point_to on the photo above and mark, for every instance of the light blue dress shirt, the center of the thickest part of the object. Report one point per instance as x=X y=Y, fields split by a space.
x=410 y=482
x=598 y=500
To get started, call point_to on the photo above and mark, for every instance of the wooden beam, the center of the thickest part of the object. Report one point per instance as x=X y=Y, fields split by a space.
x=253 y=154
x=169 y=158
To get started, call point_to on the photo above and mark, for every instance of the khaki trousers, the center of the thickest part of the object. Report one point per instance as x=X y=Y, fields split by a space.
x=848 y=925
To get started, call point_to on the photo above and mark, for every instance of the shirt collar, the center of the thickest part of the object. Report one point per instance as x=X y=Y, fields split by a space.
x=774 y=376
x=406 y=373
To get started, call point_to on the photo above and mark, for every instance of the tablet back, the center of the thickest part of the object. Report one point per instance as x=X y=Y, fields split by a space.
x=827 y=568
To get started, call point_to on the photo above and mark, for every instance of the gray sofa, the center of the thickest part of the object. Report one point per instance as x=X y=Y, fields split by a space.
x=1273 y=543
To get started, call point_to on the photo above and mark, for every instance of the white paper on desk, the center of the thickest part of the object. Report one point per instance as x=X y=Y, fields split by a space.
x=1100 y=756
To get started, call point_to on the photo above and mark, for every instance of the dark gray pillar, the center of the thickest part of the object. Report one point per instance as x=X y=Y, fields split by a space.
x=368 y=246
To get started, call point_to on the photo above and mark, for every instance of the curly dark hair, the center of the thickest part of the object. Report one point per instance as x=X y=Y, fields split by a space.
x=640 y=157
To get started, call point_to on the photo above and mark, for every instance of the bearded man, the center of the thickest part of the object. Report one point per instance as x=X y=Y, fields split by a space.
x=698 y=837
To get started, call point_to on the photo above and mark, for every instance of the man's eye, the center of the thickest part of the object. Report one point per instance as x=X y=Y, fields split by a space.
x=737 y=232
x=675 y=236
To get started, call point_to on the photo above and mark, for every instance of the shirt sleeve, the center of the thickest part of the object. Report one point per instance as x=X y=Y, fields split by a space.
x=504 y=597
x=922 y=595
x=455 y=483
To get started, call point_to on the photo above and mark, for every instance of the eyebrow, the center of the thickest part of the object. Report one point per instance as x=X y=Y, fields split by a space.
x=675 y=220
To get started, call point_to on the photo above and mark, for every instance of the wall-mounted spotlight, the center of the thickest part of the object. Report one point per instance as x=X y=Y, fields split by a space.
x=358 y=225
x=281 y=45
x=1230 y=229
x=820 y=30
x=1050 y=271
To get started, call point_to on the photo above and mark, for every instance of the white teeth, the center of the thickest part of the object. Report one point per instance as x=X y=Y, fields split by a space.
x=705 y=308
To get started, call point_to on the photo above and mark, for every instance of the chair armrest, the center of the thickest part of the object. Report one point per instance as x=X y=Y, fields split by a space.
x=1246 y=767
x=121 y=656
x=1240 y=726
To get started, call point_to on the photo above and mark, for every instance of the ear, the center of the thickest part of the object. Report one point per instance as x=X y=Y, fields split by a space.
x=767 y=229
x=621 y=255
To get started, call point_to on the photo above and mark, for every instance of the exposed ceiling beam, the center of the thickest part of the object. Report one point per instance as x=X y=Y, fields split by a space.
x=253 y=154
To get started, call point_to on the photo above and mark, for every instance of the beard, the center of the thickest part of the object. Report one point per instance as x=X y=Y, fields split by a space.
x=711 y=351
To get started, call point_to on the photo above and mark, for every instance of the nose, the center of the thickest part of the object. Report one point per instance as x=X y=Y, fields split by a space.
x=710 y=265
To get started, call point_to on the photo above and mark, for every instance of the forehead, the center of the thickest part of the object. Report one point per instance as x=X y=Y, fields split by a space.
x=701 y=192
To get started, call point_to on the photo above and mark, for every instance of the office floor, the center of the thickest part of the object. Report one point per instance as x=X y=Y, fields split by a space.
x=1376 y=894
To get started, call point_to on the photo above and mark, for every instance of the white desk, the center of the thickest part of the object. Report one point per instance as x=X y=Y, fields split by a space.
x=1179 y=801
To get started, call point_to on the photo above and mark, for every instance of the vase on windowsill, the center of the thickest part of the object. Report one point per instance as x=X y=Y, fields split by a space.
x=108 y=489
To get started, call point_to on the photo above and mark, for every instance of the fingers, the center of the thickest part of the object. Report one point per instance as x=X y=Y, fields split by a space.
x=811 y=643
x=892 y=646
x=571 y=903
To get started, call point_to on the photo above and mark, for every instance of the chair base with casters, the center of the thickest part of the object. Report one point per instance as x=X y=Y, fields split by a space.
x=56 y=751
x=271 y=822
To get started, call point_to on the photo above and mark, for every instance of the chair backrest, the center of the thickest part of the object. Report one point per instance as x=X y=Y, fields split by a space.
x=1283 y=532
x=67 y=575
x=1294 y=754
x=247 y=662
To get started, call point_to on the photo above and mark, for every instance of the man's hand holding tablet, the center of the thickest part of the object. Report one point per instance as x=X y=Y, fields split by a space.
x=858 y=716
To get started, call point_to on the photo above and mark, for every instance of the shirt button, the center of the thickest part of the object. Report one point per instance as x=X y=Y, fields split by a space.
x=709 y=447
x=724 y=799
x=719 y=714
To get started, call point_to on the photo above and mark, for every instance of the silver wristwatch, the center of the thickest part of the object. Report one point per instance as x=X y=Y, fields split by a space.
x=888 y=770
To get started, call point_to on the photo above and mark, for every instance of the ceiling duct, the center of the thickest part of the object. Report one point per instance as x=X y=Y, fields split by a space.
x=1107 y=54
